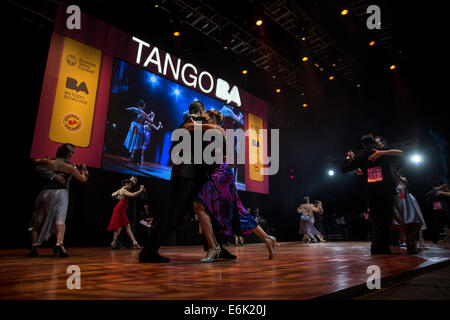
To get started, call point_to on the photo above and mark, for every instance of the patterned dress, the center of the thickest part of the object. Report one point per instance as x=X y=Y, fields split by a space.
x=220 y=197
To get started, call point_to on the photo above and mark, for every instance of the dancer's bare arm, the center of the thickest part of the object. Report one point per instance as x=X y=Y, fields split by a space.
x=379 y=153
x=132 y=194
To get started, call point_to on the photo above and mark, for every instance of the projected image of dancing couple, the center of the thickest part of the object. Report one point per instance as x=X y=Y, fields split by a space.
x=139 y=133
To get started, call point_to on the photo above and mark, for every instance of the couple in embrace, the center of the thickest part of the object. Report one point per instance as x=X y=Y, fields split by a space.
x=211 y=191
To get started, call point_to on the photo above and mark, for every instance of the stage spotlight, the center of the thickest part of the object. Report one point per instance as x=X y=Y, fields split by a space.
x=331 y=77
x=305 y=59
x=371 y=43
x=177 y=92
x=303 y=38
x=176 y=34
x=316 y=64
x=244 y=71
x=358 y=85
x=278 y=90
x=344 y=12
x=331 y=173
x=153 y=79
x=393 y=67
x=259 y=22
x=304 y=105
x=416 y=158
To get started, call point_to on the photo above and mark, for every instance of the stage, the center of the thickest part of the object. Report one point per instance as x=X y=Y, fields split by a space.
x=334 y=270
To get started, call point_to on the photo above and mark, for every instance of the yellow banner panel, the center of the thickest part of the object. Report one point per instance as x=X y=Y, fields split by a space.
x=256 y=146
x=73 y=110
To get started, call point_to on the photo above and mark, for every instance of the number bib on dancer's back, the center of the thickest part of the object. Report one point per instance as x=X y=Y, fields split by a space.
x=374 y=174
x=437 y=205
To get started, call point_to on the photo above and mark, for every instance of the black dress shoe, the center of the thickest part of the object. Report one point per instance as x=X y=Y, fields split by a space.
x=412 y=247
x=152 y=258
x=33 y=252
x=225 y=254
x=61 y=251
x=380 y=251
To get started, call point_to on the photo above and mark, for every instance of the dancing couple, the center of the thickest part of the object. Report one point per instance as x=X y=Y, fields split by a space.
x=119 y=219
x=211 y=190
x=307 y=229
x=407 y=215
x=139 y=133
x=51 y=205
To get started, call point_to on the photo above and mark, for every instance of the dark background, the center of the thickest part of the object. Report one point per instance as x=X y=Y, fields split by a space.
x=401 y=105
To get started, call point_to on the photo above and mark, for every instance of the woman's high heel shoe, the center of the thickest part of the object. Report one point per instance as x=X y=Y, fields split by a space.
x=211 y=254
x=136 y=246
x=271 y=246
x=60 y=250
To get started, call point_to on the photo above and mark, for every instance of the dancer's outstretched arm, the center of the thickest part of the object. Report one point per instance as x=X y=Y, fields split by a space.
x=132 y=194
x=391 y=152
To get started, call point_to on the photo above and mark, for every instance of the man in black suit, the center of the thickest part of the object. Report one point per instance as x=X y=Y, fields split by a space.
x=379 y=180
x=187 y=181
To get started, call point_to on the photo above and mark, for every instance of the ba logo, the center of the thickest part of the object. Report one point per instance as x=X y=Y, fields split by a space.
x=72 y=84
x=71 y=60
x=72 y=122
x=223 y=92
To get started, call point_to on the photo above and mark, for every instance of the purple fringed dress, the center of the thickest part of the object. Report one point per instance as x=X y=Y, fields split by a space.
x=220 y=197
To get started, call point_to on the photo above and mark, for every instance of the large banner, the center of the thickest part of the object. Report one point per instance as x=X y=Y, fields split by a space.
x=74 y=105
x=87 y=92
x=256 y=147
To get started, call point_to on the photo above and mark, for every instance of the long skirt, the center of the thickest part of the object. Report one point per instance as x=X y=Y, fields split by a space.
x=220 y=197
x=135 y=137
x=50 y=210
x=119 y=217
x=306 y=226
x=407 y=211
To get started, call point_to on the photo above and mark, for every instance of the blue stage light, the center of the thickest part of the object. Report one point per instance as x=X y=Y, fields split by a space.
x=153 y=79
x=177 y=92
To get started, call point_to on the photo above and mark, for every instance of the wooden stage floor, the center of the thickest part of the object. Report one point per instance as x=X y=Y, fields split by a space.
x=298 y=271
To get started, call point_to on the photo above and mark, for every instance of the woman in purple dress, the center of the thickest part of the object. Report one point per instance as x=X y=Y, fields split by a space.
x=219 y=201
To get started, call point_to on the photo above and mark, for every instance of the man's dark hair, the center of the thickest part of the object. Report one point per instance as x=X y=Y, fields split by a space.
x=63 y=150
x=435 y=183
x=141 y=103
x=367 y=141
x=125 y=182
x=196 y=107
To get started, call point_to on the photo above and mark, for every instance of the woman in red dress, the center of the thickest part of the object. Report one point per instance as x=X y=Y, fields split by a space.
x=119 y=219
